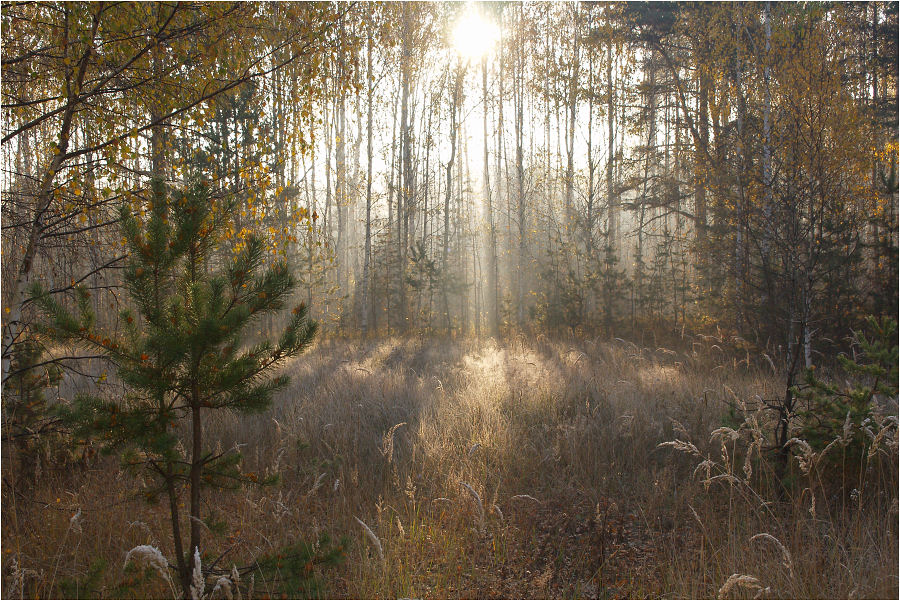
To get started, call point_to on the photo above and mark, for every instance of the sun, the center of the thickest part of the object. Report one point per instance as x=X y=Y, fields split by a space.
x=474 y=36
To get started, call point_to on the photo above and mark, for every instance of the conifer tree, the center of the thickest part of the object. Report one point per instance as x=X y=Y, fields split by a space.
x=183 y=353
x=27 y=422
x=843 y=411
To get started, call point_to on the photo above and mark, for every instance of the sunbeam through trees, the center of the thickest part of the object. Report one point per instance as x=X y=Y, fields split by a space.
x=601 y=299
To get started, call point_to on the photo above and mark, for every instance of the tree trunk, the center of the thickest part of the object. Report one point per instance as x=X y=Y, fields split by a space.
x=340 y=190
x=612 y=201
x=519 y=97
x=492 y=299
x=392 y=185
x=74 y=81
x=448 y=193
x=700 y=157
x=570 y=129
x=405 y=163
x=364 y=315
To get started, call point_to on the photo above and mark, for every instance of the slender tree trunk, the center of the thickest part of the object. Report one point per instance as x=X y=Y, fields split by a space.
x=448 y=193
x=196 y=469
x=570 y=129
x=157 y=132
x=354 y=270
x=499 y=160
x=459 y=241
x=589 y=225
x=73 y=85
x=340 y=190
x=364 y=316
x=175 y=515
x=768 y=205
x=519 y=95
x=612 y=201
x=649 y=169
x=312 y=215
x=492 y=299
x=405 y=198
x=328 y=129
x=326 y=223
x=700 y=179
x=392 y=185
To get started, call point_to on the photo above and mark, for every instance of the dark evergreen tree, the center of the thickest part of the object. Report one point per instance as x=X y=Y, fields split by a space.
x=27 y=422
x=183 y=353
x=844 y=412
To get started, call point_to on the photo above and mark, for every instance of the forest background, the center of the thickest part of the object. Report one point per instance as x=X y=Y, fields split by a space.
x=718 y=179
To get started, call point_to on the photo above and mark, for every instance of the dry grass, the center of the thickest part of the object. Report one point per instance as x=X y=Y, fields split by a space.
x=524 y=469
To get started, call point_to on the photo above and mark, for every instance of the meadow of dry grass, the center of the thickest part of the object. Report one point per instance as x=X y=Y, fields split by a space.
x=530 y=468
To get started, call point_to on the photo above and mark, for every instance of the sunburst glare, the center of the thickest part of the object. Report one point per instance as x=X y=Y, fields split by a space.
x=474 y=36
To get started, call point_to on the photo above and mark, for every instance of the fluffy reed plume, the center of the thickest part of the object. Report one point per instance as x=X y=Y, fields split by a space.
x=375 y=542
x=748 y=461
x=143 y=527
x=149 y=555
x=477 y=498
x=580 y=356
x=696 y=516
x=724 y=432
x=847 y=430
x=529 y=497
x=227 y=586
x=681 y=445
x=704 y=466
x=731 y=479
x=197 y=582
x=223 y=584
x=890 y=425
x=785 y=555
x=807 y=458
x=277 y=463
x=234 y=581
x=316 y=485
x=387 y=442
x=679 y=428
x=741 y=580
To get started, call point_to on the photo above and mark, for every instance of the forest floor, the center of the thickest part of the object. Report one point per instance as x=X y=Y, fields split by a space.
x=530 y=468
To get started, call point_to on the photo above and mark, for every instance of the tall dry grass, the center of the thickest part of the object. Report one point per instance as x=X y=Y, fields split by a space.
x=532 y=468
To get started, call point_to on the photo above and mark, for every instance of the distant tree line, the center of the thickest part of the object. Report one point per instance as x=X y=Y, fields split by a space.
x=615 y=169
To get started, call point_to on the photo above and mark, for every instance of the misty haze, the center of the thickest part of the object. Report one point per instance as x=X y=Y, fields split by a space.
x=449 y=300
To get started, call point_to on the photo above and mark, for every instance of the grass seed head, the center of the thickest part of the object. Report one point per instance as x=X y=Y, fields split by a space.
x=197 y=582
x=741 y=580
x=477 y=498
x=374 y=539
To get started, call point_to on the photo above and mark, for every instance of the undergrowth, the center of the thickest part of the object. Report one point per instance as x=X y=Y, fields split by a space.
x=530 y=468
